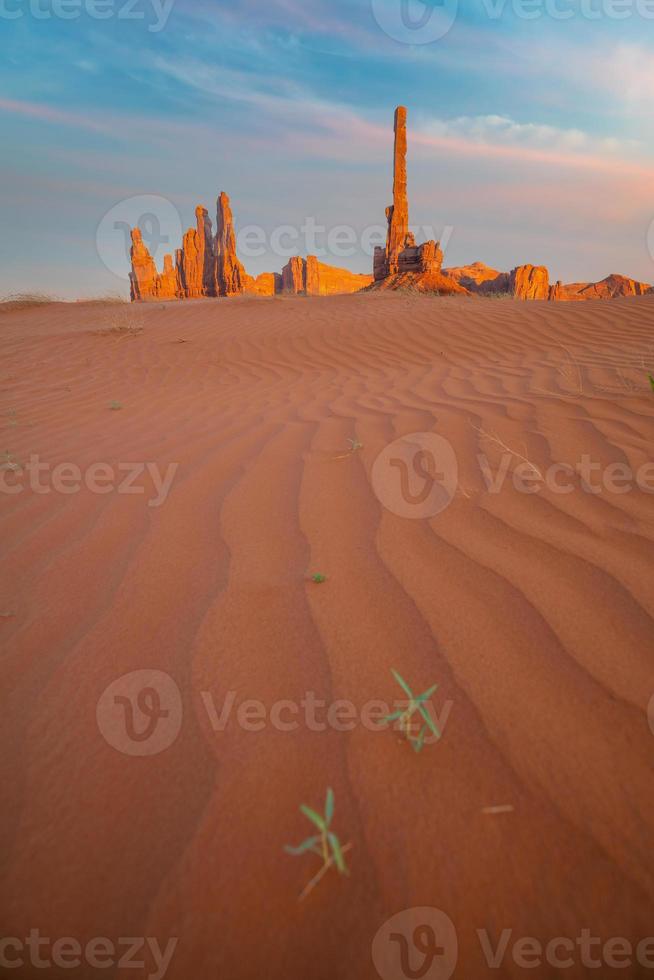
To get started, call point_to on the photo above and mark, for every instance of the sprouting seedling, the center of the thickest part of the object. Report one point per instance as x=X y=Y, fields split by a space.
x=325 y=843
x=354 y=446
x=115 y=406
x=403 y=715
x=318 y=578
x=651 y=381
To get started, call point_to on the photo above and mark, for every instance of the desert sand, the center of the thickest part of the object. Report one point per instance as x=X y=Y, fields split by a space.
x=533 y=613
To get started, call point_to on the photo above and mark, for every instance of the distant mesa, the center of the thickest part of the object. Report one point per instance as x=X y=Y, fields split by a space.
x=207 y=265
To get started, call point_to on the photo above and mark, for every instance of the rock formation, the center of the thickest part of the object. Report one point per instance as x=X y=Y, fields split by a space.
x=195 y=258
x=557 y=291
x=610 y=288
x=230 y=276
x=145 y=281
x=294 y=276
x=398 y=212
x=402 y=264
x=312 y=276
x=529 y=282
x=309 y=277
x=479 y=278
x=208 y=266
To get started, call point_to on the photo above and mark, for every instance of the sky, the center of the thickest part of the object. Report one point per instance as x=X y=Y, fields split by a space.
x=529 y=127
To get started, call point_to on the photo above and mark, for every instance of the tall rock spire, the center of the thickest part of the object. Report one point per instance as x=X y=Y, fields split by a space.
x=398 y=213
x=197 y=256
x=231 y=277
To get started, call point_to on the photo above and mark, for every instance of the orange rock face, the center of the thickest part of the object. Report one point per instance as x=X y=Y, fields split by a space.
x=529 y=282
x=398 y=213
x=479 y=278
x=266 y=284
x=197 y=257
x=310 y=277
x=557 y=292
x=145 y=281
x=402 y=258
x=293 y=275
x=230 y=276
x=144 y=272
x=437 y=283
x=613 y=286
x=332 y=280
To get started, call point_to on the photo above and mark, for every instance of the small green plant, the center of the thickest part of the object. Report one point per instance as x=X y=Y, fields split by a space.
x=325 y=843
x=651 y=381
x=115 y=406
x=354 y=446
x=404 y=715
x=318 y=578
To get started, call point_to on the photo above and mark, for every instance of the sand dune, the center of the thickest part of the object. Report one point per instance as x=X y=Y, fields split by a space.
x=533 y=612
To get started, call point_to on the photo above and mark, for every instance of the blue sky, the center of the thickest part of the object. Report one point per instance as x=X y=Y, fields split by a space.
x=530 y=135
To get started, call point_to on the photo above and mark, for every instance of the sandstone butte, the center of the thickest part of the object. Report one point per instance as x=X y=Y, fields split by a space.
x=207 y=265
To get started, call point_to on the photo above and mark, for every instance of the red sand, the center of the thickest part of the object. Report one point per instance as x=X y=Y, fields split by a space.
x=532 y=612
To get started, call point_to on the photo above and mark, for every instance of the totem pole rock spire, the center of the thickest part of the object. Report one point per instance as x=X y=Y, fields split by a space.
x=398 y=213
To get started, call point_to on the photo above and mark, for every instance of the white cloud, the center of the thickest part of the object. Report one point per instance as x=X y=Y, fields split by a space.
x=504 y=131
